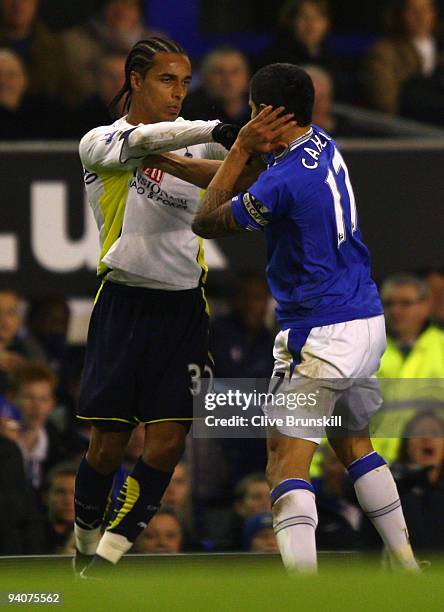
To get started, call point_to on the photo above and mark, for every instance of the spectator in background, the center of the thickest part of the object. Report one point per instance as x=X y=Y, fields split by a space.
x=178 y=497
x=325 y=115
x=241 y=343
x=415 y=347
x=25 y=116
x=415 y=350
x=403 y=72
x=419 y=475
x=242 y=347
x=41 y=444
x=95 y=110
x=163 y=534
x=41 y=51
x=302 y=35
x=59 y=499
x=19 y=518
x=435 y=280
x=13 y=348
x=47 y=321
x=252 y=497
x=224 y=91
x=115 y=29
x=259 y=535
x=339 y=519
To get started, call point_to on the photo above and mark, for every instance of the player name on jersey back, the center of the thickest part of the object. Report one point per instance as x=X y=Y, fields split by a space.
x=318 y=265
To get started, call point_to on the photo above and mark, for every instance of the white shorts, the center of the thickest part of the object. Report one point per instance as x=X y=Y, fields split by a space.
x=338 y=364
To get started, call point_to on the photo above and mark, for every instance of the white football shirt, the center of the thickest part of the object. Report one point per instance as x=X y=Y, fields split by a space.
x=144 y=216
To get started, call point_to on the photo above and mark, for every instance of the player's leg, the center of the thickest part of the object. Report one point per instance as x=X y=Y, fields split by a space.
x=139 y=498
x=293 y=500
x=377 y=494
x=93 y=485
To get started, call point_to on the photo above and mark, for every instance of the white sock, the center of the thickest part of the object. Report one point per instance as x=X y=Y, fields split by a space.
x=294 y=521
x=379 y=499
x=113 y=546
x=86 y=539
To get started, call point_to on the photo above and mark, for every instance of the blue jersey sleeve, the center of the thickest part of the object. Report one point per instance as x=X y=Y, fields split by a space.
x=257 y=207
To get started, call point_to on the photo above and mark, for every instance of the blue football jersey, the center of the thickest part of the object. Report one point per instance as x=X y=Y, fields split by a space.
x=318 y=266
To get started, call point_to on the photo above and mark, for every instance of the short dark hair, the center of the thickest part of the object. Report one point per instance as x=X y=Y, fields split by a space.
x=65 y=468
x=285 y=85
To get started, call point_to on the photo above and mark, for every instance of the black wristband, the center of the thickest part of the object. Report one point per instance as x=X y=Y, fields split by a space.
x=225 y=134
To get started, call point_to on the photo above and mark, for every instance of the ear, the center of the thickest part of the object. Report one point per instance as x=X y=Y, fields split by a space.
x=136 y=80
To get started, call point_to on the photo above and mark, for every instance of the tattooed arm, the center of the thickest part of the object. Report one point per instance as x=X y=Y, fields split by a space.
x=214 y=217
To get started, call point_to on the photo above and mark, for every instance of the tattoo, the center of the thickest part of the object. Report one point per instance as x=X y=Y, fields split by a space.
x=214 y=218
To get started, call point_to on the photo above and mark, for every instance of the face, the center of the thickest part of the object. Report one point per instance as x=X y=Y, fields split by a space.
x=419 y=17
x=310 y=25
x=435 y=281
x=163 y=535
x=111 y=77
x=19 y=13
x=406 y=312
x=123 y=15
x=256 y=500
x=179 y=488
x=264 y=541
x=13 y=80
x=323 y=98
x=252 y=303
x=52 y=320
x=227 y=76
x=426 y=447
x=61 y=498
x=161 y=93
x=36 y=402
x=10 y=319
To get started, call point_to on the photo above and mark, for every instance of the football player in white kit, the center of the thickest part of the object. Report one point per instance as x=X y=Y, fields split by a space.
x=148 y=333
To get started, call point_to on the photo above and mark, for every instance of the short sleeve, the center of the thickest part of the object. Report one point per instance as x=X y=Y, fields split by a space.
x=260 y=205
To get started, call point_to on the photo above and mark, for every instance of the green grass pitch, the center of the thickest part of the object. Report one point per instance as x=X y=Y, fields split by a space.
x=228 y=583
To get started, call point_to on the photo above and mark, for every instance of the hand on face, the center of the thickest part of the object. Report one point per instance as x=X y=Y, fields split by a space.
x=263 y=134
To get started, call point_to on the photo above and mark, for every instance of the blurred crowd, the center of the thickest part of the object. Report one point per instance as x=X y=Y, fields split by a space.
x=58 y=85
x=218 y=499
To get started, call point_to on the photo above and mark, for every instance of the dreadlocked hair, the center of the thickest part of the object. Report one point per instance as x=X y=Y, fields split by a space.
x=141 y=59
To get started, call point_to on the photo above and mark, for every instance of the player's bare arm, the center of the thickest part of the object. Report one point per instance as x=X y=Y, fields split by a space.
x=214 y=218
x=200 y=172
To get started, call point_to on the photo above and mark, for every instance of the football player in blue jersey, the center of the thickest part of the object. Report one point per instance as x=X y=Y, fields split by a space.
x=328 y=307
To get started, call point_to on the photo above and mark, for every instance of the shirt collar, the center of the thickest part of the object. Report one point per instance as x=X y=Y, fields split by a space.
x=294 y=144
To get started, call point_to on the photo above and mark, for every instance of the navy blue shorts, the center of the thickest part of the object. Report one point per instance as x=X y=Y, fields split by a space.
x=144 y=348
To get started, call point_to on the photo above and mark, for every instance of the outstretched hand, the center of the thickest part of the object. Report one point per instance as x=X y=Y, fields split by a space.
x=263 y=133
